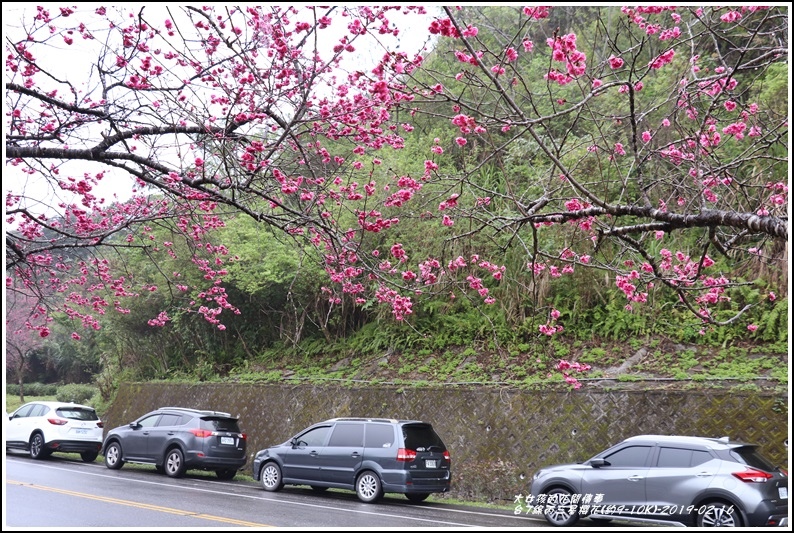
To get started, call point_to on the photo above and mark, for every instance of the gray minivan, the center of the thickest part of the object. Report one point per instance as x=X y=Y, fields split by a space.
x=371 y=456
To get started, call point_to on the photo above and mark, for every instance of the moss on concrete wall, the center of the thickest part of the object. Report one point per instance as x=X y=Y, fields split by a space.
x=497 y=437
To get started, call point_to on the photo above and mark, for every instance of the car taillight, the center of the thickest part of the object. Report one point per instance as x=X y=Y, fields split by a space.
x=446 y=455
x=100 y=424
x=201 y=433
x=752 y=476
x=57 y=421
x=243 y=436
x=404 y=454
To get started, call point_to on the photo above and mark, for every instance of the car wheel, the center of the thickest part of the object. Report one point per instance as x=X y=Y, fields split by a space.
x=368 y=487
x=88 y=457
x=271 y=477
x=113 y=456
x=37 y=449
x=174 y=463
x=559 y=511
x=719 y=514
x=226 y=474
x=315 y=488
x=417 y=497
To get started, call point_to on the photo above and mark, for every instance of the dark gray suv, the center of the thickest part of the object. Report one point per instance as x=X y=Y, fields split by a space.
x=176 y=439
x=698 y=481
x=371 y=456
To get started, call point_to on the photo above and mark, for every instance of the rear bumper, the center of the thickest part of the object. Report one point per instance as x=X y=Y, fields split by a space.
x=403 y=482
x=214 y=463
x=768 y=513
x=74 y=446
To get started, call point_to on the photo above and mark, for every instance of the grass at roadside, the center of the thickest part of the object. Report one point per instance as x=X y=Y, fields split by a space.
x=13 y=402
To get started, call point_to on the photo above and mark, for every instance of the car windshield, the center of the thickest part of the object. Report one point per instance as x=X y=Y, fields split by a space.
x=748 y=455
x=220 y=424
x=77 y=413
x=422 y=437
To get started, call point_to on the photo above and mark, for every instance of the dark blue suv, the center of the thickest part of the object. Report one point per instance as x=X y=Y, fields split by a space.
x=371 y=456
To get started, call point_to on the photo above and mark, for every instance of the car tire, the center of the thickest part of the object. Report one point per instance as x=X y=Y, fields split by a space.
x=270 y=475
x=368 y=487
x=416 y=497
x=89 y=457
x=719 y=514
x=37 y=448
x=174 y=463
x=113 y=456
x=226 y=474
x=561 y=513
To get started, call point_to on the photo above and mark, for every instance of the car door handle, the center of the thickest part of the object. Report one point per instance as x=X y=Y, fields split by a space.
x=355 y=454
x=705 y=474
x=313 y=453
x=636 y=478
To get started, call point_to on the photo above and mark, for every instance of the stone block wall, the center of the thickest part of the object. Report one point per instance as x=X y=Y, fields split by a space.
x=497 y=438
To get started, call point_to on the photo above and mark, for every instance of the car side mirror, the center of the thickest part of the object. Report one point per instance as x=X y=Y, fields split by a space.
x=598 y=463
x=133 y=425
x=293 y=441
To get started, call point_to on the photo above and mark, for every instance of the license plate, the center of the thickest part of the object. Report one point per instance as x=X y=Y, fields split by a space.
x=783 y=493
x=81 y=431
x=431 y=463
x=227 y=440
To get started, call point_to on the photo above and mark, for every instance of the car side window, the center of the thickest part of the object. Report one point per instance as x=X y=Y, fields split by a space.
x=39 y=410
x=681 y=457
x=314 y=437
x=169 y=420
x=631 y=456
x=149 y=421
x=674 y=458
x=24 y=412
x=699 y=457
x=379 y=436
x=347 y=434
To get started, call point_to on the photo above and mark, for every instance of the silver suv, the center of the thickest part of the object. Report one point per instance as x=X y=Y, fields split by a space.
x=666 y=479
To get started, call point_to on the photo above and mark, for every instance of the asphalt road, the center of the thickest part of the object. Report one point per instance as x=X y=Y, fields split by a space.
x=63 y=492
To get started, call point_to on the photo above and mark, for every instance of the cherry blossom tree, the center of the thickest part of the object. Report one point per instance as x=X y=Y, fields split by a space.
x=26 y=330
x=599 y=149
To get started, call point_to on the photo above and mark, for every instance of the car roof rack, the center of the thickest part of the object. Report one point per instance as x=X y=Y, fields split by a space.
x=203 y=412
x=374 y=419
x=364 y=419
